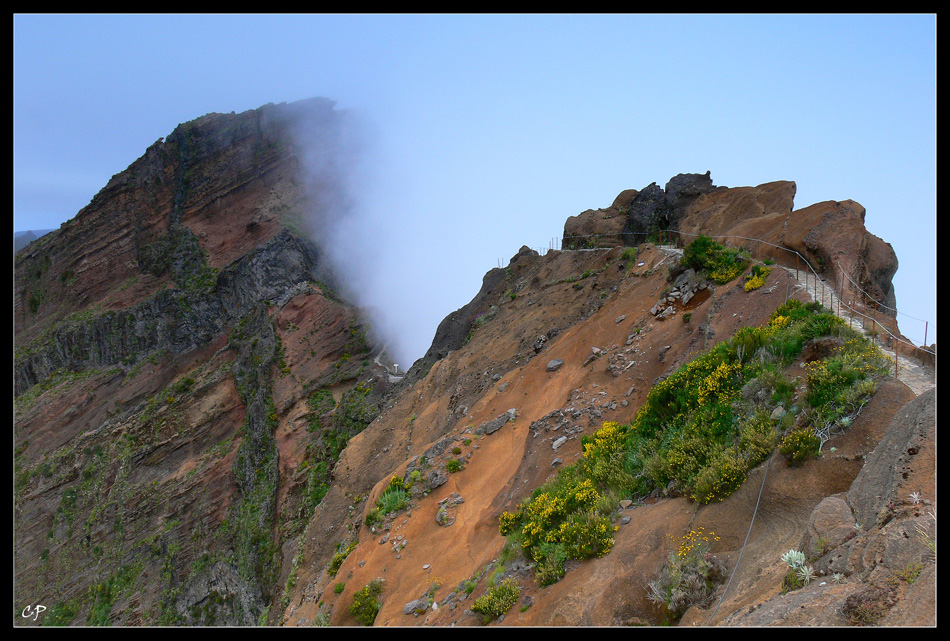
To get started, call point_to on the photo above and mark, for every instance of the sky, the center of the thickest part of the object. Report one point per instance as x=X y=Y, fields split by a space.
x=489 y=131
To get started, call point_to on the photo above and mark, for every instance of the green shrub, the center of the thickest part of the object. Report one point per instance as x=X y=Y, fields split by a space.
x=844 y=379
x=562 y=520
x=340 y=556
x=720 y=264
x=757 y=438
x=823 y=324
x=395 y=498
x=748 y=340
x=781 y=387
x=793 y=309
x=701 y=252
x=800 y=446
x=453 y=465
x=549 y=564
x=366 y=603
x=497 y=600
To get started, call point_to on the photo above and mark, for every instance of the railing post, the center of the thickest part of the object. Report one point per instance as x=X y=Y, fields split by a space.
x=851 y=315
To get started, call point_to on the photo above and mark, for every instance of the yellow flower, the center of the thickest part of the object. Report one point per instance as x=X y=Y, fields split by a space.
x=780 y=321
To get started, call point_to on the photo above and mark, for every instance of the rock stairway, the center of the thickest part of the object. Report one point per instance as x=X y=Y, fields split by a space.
x=917 y=377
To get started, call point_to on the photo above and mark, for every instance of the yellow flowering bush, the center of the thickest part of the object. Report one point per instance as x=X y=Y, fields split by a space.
x=691 y=575
x=780 y=321
x=603 y=454
x=695 y=543
x=497 y=600
x=724 y=273
x=586 y=535
x=544 y=514
x=753 y=282
x=756 y=277
x=719 y=385
x=562 y=521
x=800 y=445
x=366 y=602
x=722 y=476
x=508 y=522
x=604 y=441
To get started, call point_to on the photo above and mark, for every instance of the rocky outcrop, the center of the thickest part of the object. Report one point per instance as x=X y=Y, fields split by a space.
x=598 y=227
x=175 y=320
x=654 y=208
x=831 y=236
x=886 y=478
x=224 y=184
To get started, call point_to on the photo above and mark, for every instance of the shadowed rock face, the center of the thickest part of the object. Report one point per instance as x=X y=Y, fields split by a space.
x=655 y=208
x=201 y=430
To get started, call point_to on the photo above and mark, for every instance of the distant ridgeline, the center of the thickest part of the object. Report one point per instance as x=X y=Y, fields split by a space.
x=23 y=238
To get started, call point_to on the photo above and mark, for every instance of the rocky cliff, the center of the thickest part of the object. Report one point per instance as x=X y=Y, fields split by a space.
x=160 y=336
x=204 y=435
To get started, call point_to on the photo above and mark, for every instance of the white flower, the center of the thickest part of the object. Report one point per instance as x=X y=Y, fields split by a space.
x=915 y=498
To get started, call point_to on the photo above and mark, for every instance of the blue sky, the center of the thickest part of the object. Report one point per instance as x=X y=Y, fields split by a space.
x=491 y=130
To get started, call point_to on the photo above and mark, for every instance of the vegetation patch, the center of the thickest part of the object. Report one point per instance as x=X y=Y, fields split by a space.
x=720 y=264
x=565 y=519
x=756 y=277
x=497 y=600
x=870 y=605
x=354 y=412
x=394 y=498
x=342 y=552
x=699 y=432
x=366 y=602
x=690 y=576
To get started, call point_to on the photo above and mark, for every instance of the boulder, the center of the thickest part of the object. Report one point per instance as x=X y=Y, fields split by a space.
x=879 y=481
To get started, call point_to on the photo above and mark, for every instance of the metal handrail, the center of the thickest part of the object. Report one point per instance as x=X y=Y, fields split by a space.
x=804 y=260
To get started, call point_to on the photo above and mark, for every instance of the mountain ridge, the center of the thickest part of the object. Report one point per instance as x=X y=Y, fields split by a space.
x=203 y=428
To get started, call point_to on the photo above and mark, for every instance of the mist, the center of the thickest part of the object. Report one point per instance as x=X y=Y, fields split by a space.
x=351 y=218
